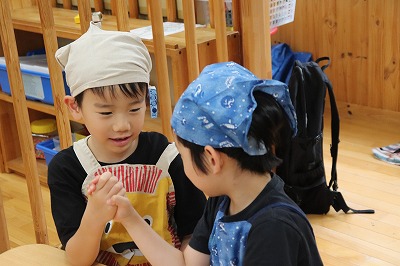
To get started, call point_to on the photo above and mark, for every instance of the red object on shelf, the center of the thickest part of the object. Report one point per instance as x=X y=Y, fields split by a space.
x=273 y=30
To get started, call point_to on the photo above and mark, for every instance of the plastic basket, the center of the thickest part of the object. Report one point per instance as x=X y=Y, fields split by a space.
x=47 y=147
x=281 y=12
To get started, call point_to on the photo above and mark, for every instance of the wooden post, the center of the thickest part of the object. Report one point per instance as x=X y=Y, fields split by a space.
x=149 y=11
x=236 y=15
x=67 y=4
x=256 y=39
x=122 y=15
x=85 y=14
x=133 y=8
x=211 y=12
x=113 y=7
x=171 y=9
x=98 y=5
x=56 y=78
x=163 y=89
x=220 y=30
x=22 y=121
x=2 y=145
x=190 y=38
x=4 y=240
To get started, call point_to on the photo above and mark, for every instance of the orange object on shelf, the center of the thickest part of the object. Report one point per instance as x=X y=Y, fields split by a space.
x=42 y=130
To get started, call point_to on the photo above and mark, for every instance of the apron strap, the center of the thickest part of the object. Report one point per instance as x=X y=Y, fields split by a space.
x=85 y=155
x=167 y=157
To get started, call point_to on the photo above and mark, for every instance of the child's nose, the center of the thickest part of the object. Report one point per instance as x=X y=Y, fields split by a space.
x=121 y=124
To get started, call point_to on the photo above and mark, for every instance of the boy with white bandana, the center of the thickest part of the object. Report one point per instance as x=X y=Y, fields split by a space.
x=108 y=74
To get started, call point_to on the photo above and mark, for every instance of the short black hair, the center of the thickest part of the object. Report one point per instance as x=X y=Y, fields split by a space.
x=268 y=126
x=132 y=90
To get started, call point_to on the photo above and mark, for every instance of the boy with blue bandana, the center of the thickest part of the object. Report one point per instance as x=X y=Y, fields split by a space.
x=226 y=125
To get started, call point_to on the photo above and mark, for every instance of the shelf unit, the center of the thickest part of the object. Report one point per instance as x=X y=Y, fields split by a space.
x=12 y=158
x=13 y=161
x=188 y=52
x=27 y=19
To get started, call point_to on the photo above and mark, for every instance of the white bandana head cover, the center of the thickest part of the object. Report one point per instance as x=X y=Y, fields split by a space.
x=216 y=109
x=102 y=58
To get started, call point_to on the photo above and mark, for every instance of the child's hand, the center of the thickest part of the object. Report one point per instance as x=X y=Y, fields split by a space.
x=92 y=186
x=125 y=211
x=100 y=192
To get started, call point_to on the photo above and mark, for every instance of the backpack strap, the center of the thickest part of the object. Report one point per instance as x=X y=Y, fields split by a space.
x=335 y=128
x=298 y=98
x=340 y=204
x=338 y=201
x=323 y=67
x=334 y=123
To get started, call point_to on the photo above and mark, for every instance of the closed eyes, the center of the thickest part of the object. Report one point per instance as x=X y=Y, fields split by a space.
x=134 y=110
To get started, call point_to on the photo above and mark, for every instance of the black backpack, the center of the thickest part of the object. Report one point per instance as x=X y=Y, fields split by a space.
x=303 y=166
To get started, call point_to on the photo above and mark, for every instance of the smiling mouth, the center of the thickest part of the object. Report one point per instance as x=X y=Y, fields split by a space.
x=120 y=139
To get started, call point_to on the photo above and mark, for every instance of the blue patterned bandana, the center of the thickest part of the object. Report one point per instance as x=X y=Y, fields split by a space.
x=216 y=109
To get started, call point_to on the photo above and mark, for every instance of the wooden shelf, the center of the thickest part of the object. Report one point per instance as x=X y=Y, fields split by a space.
x=17 y=166
x=34 y=105
x=5 y=97
x=28 y=19
x=205 y=45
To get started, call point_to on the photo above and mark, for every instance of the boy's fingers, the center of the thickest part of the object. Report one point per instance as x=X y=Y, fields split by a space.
x=122 y=192
x=114 y=200
x=102 y=180
x=92 y=185
x=116 y=189
x=91 y=189
x=117 y=199
x=95 y=180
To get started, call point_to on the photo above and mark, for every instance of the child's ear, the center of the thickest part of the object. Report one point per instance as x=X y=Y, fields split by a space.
x=73 y=107
x=214 y=159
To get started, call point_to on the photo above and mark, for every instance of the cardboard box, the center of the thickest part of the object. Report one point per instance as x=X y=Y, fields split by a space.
x=35 y=76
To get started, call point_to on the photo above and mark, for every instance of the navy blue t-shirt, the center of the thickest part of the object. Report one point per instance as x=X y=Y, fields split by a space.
x=276 y=236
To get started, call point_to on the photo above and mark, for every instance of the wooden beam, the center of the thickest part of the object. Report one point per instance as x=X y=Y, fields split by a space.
x=133 y=8
x=85 y=14
x=220 y=30
x=171 y=9
x=211 y=12
x=122 y=15
x=4 y=239
x=236 y=15
x=190 y=38
x=67 y=4
x=98 y=6
x=163 y=90
x=56 y=78
x=23 y=122
x=256 y=41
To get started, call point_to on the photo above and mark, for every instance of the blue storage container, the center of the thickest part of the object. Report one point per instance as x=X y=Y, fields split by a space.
x=47 y=147
x=35 y=76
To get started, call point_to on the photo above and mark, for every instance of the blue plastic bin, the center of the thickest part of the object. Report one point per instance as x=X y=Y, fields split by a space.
x=47 y=147
x=35 y=76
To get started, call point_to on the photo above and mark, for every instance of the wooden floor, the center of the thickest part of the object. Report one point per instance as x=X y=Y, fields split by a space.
x=343 y=239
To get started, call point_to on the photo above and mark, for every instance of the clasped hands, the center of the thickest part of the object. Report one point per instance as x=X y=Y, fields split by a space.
x=106 y=199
